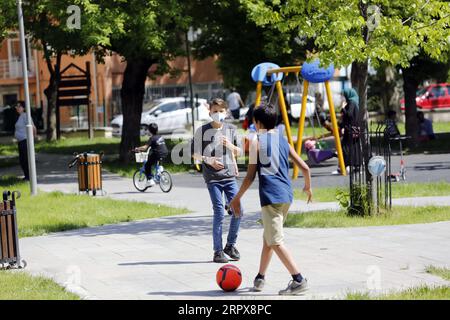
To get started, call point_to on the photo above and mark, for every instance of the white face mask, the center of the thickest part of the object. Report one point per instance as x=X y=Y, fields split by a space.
x=218 y=117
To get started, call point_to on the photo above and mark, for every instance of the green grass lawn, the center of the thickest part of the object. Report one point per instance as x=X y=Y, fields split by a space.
x=441 y=272
x=22 y=286
x=438 y=127
x=399 y=190
x=55 y=211
x=416 y=293
x=339 y=219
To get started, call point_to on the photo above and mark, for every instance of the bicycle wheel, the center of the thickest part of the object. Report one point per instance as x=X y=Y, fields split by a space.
x=165 y=181
x=140 y=181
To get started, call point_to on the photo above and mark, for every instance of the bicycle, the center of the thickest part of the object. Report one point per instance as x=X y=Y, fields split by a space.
x=162 y=177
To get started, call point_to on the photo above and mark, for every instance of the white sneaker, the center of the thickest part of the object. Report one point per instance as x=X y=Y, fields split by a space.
x=150 y=183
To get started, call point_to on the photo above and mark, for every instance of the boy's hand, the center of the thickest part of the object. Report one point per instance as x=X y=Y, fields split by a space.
x=215 y=163
x=235 y=206
x=308 y=192
x=226 y=142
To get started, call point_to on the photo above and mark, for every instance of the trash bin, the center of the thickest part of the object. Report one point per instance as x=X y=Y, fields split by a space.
x=89 y=171
x=9 y=236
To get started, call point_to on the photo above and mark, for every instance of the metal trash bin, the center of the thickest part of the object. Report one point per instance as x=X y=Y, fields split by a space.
x=89 y=171
x=9 y=235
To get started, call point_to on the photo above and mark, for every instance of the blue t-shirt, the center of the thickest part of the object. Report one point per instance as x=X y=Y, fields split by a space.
x=273 y=169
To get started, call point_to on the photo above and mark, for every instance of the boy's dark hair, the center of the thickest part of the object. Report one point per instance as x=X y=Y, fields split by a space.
x=20 y=103
x=391 y=113
x=153 y=128
x=267 y=115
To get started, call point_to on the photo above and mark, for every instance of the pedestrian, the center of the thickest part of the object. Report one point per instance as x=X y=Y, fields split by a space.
x=318 y=102
x=269 y=157
x=234 y=102
x=350 y=129
x=20 y=134
x=425 y=127
x=391 y=124
x=215 y=145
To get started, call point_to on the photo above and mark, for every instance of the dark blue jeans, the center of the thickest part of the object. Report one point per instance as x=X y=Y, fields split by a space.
x=216 y=191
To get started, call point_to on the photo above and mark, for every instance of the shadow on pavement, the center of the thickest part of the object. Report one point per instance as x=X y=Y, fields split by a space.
x=156 y=263
x=168 y=226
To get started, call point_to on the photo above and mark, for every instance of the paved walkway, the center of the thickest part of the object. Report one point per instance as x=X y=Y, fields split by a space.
x=170 y=258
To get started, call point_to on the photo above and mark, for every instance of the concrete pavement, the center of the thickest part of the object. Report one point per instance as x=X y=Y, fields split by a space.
x=170 y=258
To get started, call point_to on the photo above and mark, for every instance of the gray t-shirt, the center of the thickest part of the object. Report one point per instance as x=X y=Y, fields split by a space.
x=21 y=127
x=207 y=142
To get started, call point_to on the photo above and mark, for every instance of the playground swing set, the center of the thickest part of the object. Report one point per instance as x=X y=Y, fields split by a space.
x=269 y=74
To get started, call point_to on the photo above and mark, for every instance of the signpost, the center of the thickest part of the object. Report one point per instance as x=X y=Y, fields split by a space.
x=30 y=134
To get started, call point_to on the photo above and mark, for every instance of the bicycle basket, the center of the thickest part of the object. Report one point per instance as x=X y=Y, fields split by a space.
x=141 y=157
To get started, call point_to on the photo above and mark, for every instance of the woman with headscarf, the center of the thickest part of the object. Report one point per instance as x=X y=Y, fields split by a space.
x=350 y=128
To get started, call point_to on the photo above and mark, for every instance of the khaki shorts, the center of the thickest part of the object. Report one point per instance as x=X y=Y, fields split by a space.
x=273 y=218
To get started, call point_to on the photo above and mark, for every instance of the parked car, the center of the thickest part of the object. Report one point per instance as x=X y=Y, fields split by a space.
x=295 y=100
x=432 y=97
x=169 y=113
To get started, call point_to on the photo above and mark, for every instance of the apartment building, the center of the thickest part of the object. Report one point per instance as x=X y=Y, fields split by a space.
x=106 y=80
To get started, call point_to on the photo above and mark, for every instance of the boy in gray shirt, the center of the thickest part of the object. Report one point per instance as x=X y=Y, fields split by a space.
x=215 y=146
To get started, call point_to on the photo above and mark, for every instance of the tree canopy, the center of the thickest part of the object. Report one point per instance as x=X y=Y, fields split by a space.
x=344 y=31
x=239 y=43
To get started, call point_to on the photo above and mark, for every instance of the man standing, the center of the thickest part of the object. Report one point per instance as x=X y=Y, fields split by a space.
x=20 y=134
x=234 y=102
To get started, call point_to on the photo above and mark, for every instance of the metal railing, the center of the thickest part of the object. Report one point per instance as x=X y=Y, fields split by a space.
x=12 y=69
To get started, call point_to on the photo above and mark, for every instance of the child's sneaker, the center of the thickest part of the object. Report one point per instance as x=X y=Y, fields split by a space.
x=219 y=257
x=232 y=252
x=150 y=182
x=295 y=287
x=258 y=284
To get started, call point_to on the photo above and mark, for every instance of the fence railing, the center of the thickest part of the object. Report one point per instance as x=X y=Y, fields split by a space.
x=12 y=69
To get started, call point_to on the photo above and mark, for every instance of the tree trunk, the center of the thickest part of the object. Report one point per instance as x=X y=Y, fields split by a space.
x=410 y=86
x=359 y=77
x=132 y=95
x=51 y=92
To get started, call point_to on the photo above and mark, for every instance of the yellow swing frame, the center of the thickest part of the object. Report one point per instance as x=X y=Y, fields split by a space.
x=301 y=123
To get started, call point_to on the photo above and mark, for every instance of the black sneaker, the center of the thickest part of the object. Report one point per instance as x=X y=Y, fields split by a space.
x=232 y=252
x=219 y=257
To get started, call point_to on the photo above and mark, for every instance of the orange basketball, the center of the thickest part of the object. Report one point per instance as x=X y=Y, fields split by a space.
x=229 y=277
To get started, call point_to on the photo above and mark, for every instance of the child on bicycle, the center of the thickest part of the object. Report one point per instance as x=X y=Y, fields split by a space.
x=158 y=152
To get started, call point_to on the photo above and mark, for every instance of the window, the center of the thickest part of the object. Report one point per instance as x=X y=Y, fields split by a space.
x=438 y=91
x=421 y=92
x=168 y=107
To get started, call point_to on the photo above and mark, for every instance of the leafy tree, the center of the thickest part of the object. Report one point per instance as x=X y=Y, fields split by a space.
x=144 y=33
x=384 y=89
x=358 y=31
x=5 y=9
x=227 y=31
x=421 y=68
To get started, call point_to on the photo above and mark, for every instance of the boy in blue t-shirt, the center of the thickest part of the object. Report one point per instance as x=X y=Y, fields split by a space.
x=269 y=157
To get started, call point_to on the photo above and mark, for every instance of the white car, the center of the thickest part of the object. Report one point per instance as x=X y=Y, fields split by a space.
x=295 y=100
x=170 y=114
